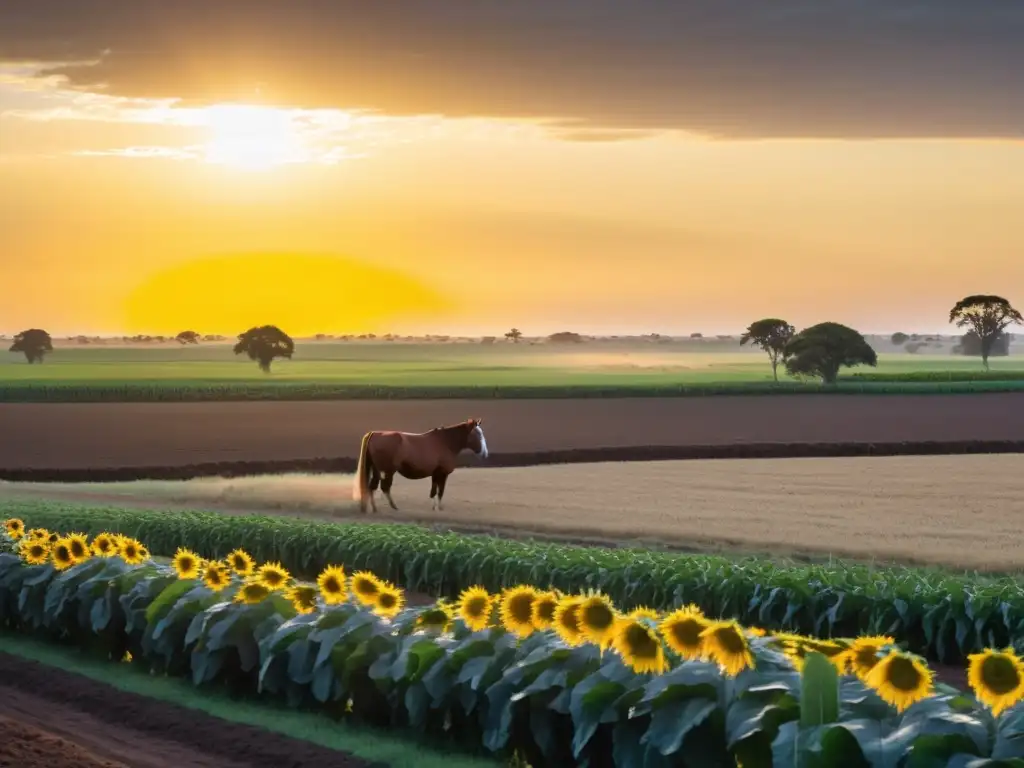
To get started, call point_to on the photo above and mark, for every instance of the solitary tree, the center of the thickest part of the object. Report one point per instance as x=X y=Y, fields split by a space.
x=187 y=337
x=33 y=343
x=514 y=335
x=823 y=349
x=899 y=338
x=987 y=316
x=265 y=343
x=771 y=335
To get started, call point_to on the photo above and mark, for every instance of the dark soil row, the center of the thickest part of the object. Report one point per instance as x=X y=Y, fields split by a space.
x=526 y=459
x=229 y=743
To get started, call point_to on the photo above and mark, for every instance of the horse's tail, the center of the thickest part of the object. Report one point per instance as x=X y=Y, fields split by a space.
x=361 y=482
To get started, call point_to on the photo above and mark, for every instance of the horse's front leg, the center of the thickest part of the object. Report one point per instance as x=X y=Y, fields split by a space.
x=385 y=486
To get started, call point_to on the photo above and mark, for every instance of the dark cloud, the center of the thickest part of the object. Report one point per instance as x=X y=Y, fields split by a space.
x=742 y=68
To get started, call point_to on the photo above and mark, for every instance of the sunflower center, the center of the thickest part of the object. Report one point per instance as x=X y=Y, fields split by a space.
x=476 y=606
x=186 y=563
x=331 y=585
x=62 y=552
x=131 y=550
x=598 y=616
x=571 y=619
x=77 y=550
x=387 y=600
x=521 y=608
x=903 y=675
x=641 y=643
x=730 y=640
x=546 y=611
x=866 y=658
x=1000 y=675
x=687 y=632
x=366 y=587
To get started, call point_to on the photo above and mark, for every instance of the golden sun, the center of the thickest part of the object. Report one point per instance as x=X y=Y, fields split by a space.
x=252 y=138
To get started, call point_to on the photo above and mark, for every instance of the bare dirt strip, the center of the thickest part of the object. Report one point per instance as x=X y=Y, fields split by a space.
x=94 y=436
x=42 y=707
x=954 y=511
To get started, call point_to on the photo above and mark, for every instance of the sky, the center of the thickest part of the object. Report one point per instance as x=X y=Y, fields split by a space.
x=447 y=166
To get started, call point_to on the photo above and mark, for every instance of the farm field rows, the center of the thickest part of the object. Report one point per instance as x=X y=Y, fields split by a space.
x=956 y=511
x=108 y=435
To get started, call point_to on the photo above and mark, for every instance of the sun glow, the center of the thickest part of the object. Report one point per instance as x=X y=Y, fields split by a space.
x=252 y=138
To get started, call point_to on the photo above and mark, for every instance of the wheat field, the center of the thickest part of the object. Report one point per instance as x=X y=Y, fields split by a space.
x=958 y=511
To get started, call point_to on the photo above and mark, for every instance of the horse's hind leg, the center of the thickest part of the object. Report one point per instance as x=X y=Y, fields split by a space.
x=385 y=485
x=438 y=481
x=374 y=484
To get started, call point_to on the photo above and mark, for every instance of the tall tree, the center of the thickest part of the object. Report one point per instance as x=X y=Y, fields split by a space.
x=514 y=335
x=187 y=337
x=34 y=343
x=264 y=344
x=987 y=316
x=772 y=335
x=823 y=349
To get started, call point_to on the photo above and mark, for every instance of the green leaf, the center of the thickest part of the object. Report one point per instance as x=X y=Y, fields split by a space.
x=671 y=723
x=819 y=691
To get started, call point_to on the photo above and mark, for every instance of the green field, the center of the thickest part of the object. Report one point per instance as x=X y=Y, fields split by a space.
x=338 y=370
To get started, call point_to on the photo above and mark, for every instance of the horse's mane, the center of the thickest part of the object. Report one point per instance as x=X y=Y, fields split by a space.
x=450 y=434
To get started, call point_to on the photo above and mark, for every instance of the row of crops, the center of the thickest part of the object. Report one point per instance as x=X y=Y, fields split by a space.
x=941 y=616
x=557 y=678
x=198 y=391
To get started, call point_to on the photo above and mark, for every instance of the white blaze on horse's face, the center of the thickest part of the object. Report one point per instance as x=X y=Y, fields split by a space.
x=480 y=440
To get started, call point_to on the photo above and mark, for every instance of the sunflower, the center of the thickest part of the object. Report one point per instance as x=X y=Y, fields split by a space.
x=756 y=631
x=61 y=554
x=475 y=605
x=187 y=563
x=143 y=552
x=727 y=645
x=365 y=587
x=52 y=538
x=39 y=534
x=516 y=610
x=79 y=544
x=796 y=651
x=597 y=617
x=682 y=630
x=131 y=551
x=900 y=679
x=438 y=617
x=542 y=613
x=643 y=612
x=303 y=597
x=567 y=620
x=216 y=575
x=253 y=591
x=862 y=656
x=15 y=527
x=997 y=678
x=104 y=545
x=390 y=600
x=332 y=585
x=35 y=552
x=639 y=646
x=274 y=576
x=240 y=562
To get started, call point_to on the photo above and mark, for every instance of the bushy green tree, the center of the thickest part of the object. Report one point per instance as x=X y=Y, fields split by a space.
x=34 y=343
x=988 y=317
x=264 y=344
x=821 y=350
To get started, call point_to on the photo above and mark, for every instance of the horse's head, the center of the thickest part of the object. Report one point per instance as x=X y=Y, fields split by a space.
x=475 y=441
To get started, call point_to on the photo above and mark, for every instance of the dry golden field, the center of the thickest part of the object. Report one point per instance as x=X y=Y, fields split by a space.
x=961 y=511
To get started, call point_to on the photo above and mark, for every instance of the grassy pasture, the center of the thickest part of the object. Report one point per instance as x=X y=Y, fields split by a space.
x=334 y=369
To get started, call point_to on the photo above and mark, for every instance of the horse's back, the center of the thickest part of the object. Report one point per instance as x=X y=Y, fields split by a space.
x=411 y=454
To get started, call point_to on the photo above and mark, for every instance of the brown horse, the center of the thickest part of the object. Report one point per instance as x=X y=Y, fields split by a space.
x=414 y=456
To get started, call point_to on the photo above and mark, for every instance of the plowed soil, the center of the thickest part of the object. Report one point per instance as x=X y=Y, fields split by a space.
x=58 y=719
x=98 y=435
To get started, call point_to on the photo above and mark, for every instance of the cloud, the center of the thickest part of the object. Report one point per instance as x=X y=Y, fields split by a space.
x=730 y=68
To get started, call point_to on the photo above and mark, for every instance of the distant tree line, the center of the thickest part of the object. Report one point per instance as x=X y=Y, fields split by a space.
x=823 y=349
x=819 y=351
